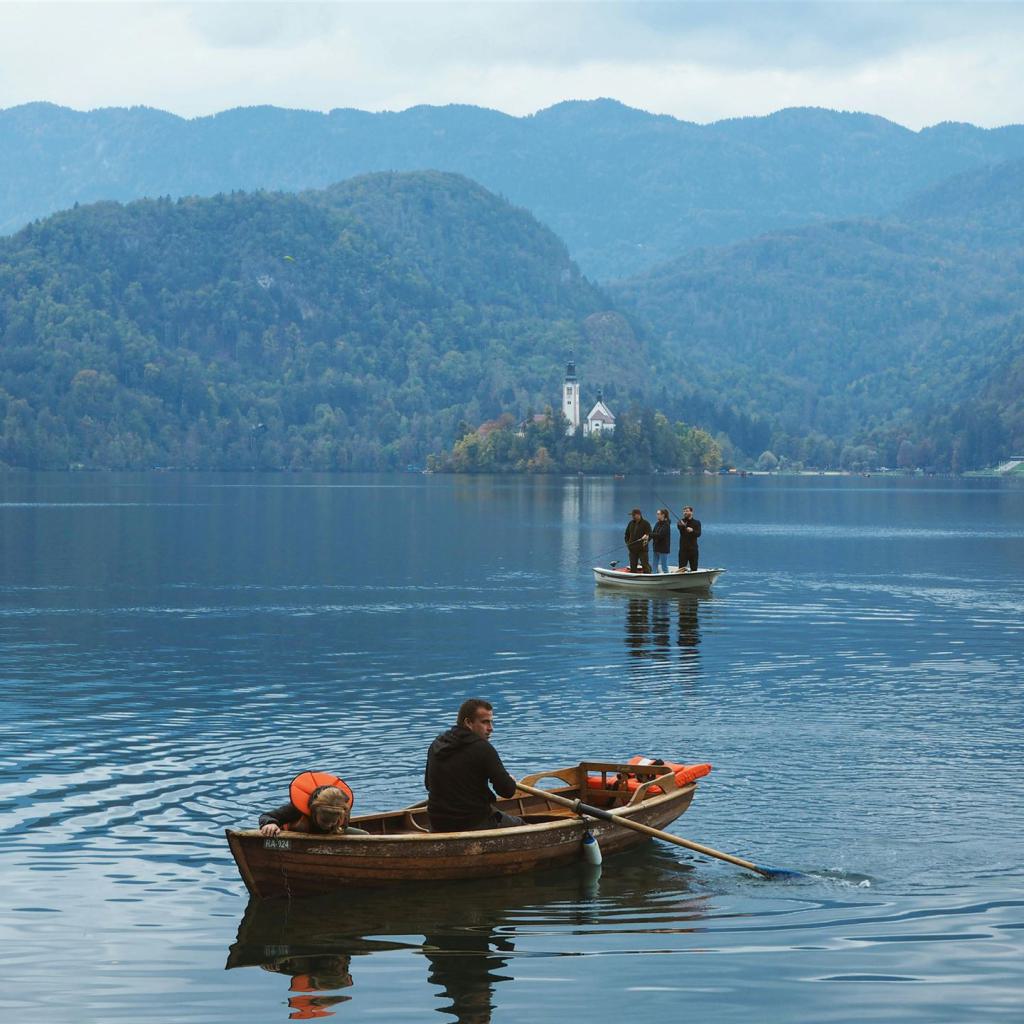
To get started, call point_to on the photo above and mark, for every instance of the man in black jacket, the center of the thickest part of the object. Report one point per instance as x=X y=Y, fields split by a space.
x=638 y=533
x=461 y=767
x=689 y=531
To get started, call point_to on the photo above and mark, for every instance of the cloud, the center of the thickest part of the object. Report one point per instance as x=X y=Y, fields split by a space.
x=792 y=36
x=916 y=63
x=257 y=26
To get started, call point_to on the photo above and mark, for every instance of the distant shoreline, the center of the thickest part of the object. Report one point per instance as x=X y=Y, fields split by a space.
x=889 y=474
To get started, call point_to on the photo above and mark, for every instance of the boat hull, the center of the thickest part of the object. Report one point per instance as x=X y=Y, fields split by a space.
x=623 y=579
x=297 y=864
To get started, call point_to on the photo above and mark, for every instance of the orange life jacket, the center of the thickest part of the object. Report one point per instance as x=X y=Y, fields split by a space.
x=684 y=773
x=305 y=784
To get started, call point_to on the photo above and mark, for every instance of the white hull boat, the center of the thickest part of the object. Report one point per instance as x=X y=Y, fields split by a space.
x=676 y=579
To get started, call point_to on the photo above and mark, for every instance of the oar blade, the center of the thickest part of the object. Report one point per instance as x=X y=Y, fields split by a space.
x=770 y=872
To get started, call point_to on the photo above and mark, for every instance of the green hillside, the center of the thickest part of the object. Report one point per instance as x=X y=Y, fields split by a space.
x=368 y=325
x=877 y=334
x=358 y=325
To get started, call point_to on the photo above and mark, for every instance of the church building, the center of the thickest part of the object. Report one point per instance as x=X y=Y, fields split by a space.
x=600 y=419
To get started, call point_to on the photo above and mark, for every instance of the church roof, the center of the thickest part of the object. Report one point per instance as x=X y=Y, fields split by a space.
x=601 y=414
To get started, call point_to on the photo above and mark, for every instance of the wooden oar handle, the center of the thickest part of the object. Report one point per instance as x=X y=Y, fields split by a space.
x=596 y=812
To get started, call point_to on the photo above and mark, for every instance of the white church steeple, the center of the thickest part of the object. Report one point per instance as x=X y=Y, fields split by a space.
x=571 y=398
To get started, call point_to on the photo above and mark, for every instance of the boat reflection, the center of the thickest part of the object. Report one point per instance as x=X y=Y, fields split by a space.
x=311 y=977
x=466 y=968
x=471 y=931
x=657 y=624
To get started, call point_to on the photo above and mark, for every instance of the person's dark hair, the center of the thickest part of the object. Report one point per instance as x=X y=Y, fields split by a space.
x=470 y=707
x=687 y=508
x=636 y=512
x=663 y=512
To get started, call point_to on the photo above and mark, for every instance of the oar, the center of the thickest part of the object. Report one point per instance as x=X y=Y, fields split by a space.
x=596 y=812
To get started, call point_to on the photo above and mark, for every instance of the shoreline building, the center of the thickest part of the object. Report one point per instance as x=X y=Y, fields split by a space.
x=600 y=419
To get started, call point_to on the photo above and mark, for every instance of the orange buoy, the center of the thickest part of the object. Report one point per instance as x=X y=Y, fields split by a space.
x=684 y=773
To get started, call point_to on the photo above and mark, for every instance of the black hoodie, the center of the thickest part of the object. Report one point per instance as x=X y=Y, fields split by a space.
x=460 y=765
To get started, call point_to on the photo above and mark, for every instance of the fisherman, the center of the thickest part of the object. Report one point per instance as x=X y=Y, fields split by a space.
x=320 y=803
x=689 y=531
x=662 y=537
x=638 y=533
x=462 y=766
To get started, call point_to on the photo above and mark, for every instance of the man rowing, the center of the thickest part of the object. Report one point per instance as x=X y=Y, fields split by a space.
x=462 y=766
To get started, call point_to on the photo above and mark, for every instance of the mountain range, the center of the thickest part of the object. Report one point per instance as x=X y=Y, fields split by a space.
x=625 y=189
x=838 y=290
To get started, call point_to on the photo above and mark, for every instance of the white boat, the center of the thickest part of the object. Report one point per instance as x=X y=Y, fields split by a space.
x=676 y=579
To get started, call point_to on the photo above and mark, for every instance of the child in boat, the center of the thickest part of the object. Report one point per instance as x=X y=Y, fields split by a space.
x=325 y=812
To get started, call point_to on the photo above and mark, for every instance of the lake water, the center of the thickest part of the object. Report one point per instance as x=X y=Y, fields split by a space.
x=173 y=648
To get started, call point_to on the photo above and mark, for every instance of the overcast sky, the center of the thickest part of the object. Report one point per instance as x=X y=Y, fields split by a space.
x=916 y=63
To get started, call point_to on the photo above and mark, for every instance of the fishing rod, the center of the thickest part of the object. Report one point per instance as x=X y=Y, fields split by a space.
x=604 y=554
x=665 y=505
x=608 y=551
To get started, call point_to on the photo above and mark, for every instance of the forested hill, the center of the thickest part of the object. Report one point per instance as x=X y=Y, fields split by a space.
x=625 y=189
x=359 y=325
x=902 y=337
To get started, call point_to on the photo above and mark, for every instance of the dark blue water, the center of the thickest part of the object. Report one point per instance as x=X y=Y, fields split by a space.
x=174 y=648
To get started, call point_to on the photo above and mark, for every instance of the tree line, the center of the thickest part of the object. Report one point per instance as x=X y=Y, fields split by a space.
x=643 y=441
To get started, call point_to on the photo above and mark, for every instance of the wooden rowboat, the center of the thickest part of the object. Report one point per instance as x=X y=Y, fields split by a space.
x=400 y=847
x=699 y=579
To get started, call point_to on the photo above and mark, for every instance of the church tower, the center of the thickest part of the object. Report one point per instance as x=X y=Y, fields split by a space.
x=571 y=398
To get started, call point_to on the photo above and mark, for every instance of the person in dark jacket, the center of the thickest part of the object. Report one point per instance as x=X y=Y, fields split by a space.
x=662 y=537
x=462 y=766
x=328 y=815
x=689 y=531
x=638 y=533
